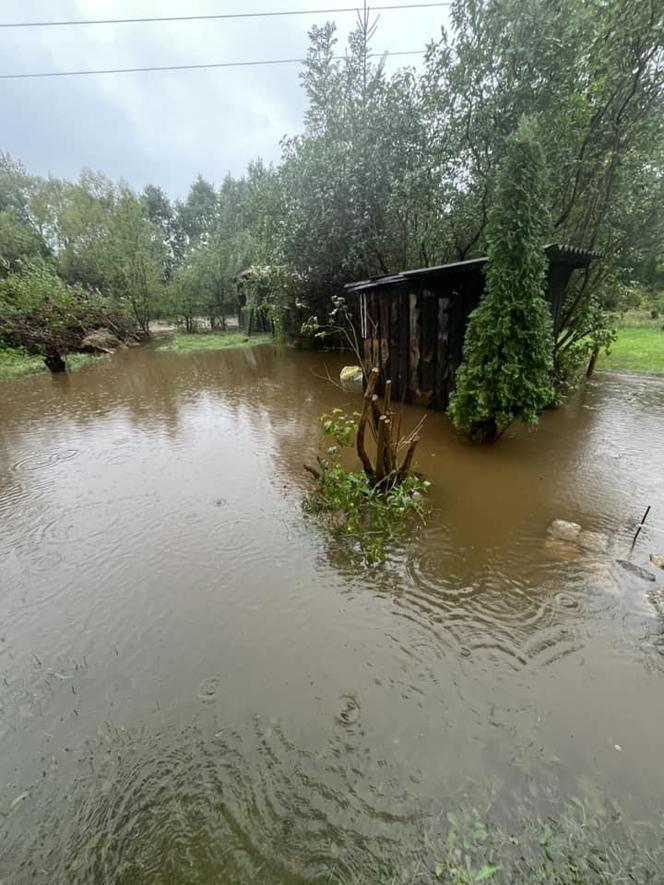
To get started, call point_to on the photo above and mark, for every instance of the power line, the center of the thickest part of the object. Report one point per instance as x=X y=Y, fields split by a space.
x=190 y=67
x=227 y=15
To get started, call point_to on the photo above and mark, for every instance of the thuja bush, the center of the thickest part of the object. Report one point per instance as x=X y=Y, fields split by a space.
x=505 y=375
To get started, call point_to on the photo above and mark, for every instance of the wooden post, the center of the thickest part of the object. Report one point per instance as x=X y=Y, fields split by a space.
x=375 y=411
x=361 y=448
x=380 y=449
x=387 y=454
x=414 y=330
x=408 y=460
x=591 y=365
x=369 y=395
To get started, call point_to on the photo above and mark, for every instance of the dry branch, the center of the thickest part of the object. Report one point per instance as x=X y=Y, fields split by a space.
x=386 y=427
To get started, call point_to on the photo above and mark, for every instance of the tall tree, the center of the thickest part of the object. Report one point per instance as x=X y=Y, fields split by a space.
x=136 y=251
x=198 y=212
x=508 y=348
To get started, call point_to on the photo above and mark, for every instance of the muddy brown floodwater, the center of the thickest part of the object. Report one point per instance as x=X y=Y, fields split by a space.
x=198 y=685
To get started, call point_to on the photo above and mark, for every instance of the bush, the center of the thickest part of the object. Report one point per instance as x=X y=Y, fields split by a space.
x=508 y=347
x=369 y=514
x=42 y=314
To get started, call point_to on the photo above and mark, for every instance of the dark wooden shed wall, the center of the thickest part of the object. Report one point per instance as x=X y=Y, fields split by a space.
x=414 y=324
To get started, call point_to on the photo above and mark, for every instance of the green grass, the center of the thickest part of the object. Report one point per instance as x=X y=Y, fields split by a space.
x=76 y=361
x=638 y=348
x=16 y=363
x=183 y=342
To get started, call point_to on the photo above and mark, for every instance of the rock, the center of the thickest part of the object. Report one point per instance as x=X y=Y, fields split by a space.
x=657 y=559
x=563 y=550
x=352 y=378
x=596 y=542
x=102 y=341
x=637 y=570
x=563 y=530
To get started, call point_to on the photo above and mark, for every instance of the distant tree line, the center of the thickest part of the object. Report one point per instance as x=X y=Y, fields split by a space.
x=391 y=171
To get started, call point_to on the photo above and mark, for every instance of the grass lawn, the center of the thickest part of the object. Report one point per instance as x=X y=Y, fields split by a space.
x=638 y=348
x=15 y=362
x=183 y=342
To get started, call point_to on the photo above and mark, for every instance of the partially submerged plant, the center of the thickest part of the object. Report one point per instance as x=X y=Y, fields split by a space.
x=370 y=505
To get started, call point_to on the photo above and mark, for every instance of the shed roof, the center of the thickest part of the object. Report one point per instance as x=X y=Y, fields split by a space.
x=561 y=254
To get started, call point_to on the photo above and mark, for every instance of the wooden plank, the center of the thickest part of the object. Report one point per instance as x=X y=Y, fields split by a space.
x=367 y=354
x=428 y=346
x=414 y=347
x=373 y=329
x=441 y=393
x=384 y=312
x=395 y=355
x=404 y=346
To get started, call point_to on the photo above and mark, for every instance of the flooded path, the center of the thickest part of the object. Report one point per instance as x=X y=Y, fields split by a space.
x=197 y=685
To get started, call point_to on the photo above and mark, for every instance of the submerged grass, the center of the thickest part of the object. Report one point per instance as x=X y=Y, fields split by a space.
x=16 y=362
x=579 y=846
x=187 y=342
x=639 y=347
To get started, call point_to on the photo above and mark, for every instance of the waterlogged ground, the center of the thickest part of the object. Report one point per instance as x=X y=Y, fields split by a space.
x=197 y=685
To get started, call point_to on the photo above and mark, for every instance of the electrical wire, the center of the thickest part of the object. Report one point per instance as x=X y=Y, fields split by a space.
x=211 y=17
x=191 y=67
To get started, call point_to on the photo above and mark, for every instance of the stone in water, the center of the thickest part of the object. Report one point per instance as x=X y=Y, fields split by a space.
x=351 y=378
x=642 y=573
x=596 y=542
x=563 y=530
x=657 y=559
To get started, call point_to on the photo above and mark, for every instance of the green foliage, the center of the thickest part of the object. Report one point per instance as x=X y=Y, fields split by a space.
x=271 y=298
x=391 y=170
x=340 y=427
x=340 y=328
x=38 y=310
x=369 y=516
x=571 y=361
x=507 y=357
x=18 y=242
x=43 y=314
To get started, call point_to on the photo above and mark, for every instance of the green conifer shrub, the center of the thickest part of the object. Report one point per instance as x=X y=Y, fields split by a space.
x=505 y=375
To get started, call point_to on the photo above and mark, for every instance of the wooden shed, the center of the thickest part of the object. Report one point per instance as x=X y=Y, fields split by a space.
x=413 y=323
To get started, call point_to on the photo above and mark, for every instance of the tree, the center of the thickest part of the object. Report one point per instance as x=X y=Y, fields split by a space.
x=159 y=211
x=17 y=242
x=508 y=348
x=591 y=74
x=136 y=251
x=198 y=212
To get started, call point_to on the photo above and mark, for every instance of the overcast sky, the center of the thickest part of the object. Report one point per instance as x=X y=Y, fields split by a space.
x=165 y=127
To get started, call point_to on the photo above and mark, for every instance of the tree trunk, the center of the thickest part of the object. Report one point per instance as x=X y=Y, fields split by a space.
x=55 y=363
x=591 y=365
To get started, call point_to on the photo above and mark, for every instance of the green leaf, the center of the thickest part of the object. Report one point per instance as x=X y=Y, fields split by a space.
x=488 y=871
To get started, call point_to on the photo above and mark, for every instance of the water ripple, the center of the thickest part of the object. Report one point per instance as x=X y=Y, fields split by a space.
x=197 y=805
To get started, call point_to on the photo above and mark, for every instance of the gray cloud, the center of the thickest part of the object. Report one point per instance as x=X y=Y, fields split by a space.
x=163 y=127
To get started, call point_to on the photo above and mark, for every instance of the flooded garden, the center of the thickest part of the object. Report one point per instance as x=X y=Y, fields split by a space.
x=198 y=683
